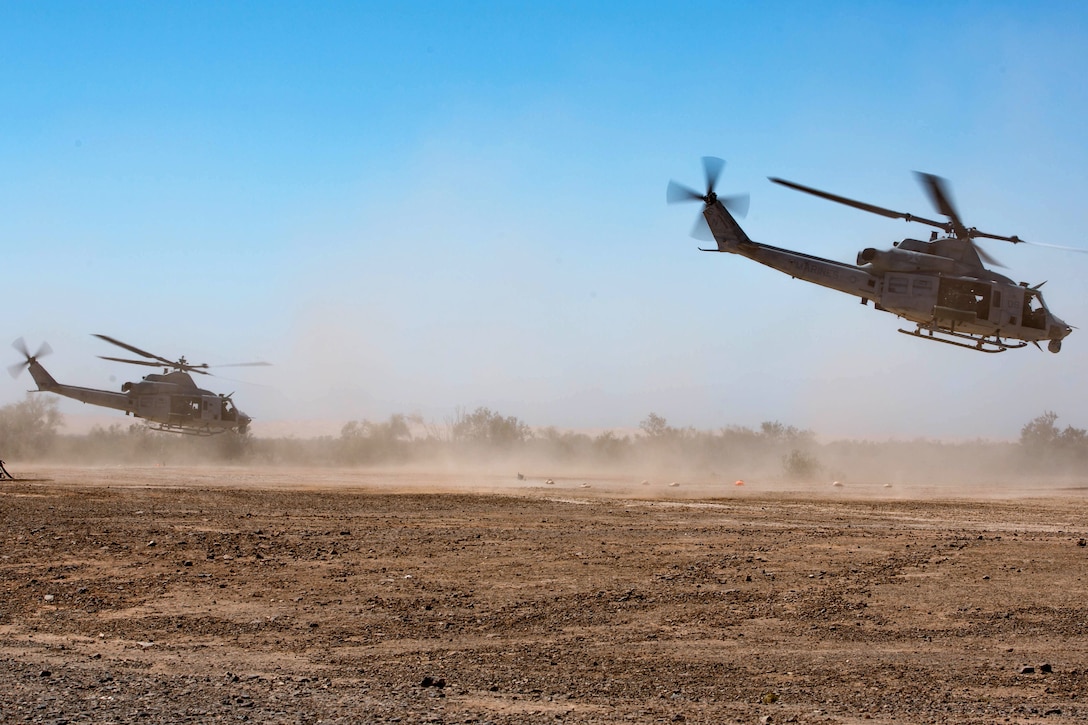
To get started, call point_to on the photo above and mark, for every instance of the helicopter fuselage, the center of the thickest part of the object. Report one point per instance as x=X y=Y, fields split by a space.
x=171 y=400
x=940 y=285
x=174 y=400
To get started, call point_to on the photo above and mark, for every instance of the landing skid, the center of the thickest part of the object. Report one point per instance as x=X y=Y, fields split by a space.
x=976 y=342
x=200 y=432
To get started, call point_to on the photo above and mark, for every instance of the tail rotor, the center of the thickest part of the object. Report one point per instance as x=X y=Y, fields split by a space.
x=20 y=346
x=677 y=193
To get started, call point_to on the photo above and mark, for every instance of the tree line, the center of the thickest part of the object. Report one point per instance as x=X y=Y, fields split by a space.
x=30 y=430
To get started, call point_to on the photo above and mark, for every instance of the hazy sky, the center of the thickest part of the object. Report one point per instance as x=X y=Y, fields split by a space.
x=415 y=207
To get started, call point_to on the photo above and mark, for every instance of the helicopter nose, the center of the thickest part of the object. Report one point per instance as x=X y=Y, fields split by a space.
x=1057 y=334
x=1059 y=330
x=243 y=422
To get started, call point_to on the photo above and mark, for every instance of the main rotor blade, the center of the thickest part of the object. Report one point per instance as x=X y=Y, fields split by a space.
x=132 y=348
x=986 y=257
x=976 y=234
x=132 y=362
x=712 y=167
x=937 y=189
x=872 y=208
x=939 y=194
x=676 y=193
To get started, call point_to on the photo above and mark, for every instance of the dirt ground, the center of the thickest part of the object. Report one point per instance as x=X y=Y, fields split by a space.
x=224 y=595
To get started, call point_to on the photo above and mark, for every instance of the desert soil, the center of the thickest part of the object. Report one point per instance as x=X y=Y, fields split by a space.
x=226 y=595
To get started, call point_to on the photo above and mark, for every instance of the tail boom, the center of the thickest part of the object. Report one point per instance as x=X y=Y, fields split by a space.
x=47 y=384
x=730 y=237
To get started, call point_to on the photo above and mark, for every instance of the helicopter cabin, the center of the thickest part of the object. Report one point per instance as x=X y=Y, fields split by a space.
x=179 y=409
x=963 y=300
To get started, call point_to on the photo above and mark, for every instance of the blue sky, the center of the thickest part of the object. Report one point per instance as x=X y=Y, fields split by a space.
x=415 y=208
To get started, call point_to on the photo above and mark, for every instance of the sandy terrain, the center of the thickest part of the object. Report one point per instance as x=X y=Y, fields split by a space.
x=218 y=594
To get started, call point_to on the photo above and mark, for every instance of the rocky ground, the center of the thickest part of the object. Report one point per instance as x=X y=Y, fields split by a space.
x=224 y=595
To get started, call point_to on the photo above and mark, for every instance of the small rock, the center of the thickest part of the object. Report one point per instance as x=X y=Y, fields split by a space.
x=1027 y=670
x=674 y=484
x=1045 y=667
x=645 y=483
x=45 y=673
x=1082 y=542
x=49 y=597
x=151 y=543
x=549 y=482
x=836 y=484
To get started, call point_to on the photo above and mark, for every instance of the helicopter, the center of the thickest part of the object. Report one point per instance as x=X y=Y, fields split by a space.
x=170 y=402
x=941 y=284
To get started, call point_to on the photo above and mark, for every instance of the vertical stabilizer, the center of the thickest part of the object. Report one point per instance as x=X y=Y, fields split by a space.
x=41 y=376
x=727 y=232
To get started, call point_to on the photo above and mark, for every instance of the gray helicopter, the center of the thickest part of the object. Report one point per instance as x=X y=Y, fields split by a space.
x=941 y=284
x=170 y=402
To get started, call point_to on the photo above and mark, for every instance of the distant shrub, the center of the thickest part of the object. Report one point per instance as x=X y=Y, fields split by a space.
x=484 y=426
x=800 y=465
x=28 y=429
x=1047 y=446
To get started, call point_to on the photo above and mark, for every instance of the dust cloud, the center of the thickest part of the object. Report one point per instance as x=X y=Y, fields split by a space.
x=496 y=452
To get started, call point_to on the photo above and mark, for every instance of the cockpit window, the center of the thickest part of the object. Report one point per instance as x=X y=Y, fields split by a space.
x=1034 y=311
